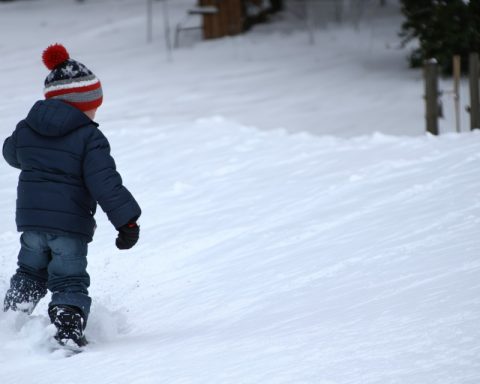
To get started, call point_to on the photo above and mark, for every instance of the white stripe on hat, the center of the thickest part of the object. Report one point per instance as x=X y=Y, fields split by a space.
x=74 y=84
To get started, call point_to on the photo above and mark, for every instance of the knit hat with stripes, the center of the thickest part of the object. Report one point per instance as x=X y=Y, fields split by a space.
x=70 y=81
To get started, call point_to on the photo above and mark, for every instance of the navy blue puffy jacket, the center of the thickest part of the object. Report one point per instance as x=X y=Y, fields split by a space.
x=66 y=168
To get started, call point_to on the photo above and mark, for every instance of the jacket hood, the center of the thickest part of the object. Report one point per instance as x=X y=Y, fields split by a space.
x=55 y=118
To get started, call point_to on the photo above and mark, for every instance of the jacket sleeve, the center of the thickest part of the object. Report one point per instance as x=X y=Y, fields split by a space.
x=105 y=184
x=10 y=150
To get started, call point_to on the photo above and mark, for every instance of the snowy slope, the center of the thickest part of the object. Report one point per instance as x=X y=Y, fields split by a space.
x=265 y=256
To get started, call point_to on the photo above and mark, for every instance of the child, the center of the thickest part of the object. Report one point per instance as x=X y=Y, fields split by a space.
x=66 y=168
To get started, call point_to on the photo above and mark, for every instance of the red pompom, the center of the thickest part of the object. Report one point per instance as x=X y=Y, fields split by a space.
x=55 y=55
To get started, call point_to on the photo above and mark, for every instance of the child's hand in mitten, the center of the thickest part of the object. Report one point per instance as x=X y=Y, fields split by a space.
x=127 y=236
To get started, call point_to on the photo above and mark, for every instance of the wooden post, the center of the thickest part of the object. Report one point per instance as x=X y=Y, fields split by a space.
x=474 y=69
x=431 y=95
x=456 y=89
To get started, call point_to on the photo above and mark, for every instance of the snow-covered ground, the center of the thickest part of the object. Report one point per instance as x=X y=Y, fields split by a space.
x=298 y=226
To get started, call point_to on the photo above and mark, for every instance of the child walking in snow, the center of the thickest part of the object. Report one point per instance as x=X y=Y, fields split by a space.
x=66 y=168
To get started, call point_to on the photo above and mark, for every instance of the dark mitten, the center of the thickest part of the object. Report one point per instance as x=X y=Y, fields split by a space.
x=127 y=236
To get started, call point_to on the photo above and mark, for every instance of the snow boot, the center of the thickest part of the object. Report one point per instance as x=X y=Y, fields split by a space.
x=70 y=324
x=24 y=294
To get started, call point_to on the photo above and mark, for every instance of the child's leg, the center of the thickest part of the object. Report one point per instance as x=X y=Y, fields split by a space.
x=68 y=279
x=29 y=284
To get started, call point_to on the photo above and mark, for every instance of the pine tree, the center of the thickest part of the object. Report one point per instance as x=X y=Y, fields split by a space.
x=443 y=28
x=474 y=25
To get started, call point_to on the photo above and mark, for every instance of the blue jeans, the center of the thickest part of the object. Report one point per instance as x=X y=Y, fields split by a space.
x=51 y=261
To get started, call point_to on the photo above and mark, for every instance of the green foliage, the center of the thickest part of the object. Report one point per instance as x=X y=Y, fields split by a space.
x=443 y=28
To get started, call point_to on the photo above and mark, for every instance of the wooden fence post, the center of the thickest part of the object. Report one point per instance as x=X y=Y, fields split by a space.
x=474 y=70
x=456 y=89
x=431 y=95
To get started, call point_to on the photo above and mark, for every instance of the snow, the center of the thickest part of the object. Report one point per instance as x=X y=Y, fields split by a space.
x=298 y=225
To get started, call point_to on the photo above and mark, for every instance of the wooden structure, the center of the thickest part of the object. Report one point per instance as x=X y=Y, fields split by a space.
x=221 y=18
x=227 y=21
x=232 y=16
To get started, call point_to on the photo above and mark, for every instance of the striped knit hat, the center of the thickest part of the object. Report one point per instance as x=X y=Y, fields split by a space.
x=70 y=80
